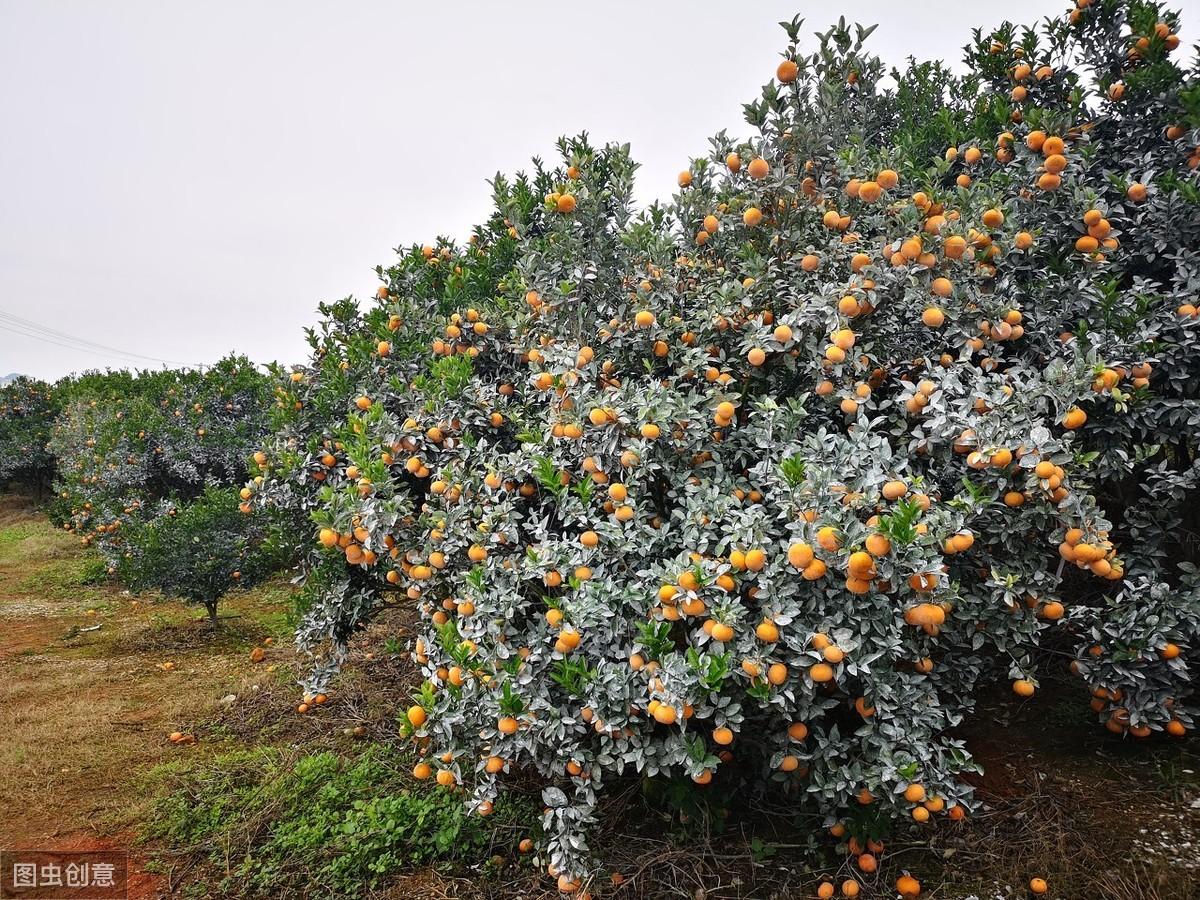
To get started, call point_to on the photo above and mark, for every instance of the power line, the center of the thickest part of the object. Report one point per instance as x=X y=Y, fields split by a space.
x=28 y=328
x=38 y=337
x=77 y=348
x=30 y=325
x=128 y=360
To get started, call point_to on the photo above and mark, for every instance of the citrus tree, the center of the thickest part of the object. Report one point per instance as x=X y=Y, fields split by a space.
x=319 y=456
x=761 y=485
x=210 y=547
x=27 y=411
x=134 y=447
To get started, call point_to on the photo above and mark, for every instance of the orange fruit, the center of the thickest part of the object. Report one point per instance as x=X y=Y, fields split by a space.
x=1075 y=418
x=821 y=673
x=800 y=555
x=933 y=317
x=828 y=538
x=1052 y=611
x=861 y=564
x=878 y=545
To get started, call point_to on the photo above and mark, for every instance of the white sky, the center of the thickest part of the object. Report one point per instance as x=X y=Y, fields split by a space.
x=180 y=180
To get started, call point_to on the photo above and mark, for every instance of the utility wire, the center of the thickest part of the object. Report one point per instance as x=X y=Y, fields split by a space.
x=38 y=337
x=30 y=325
x=28 y=328
x=79 y=348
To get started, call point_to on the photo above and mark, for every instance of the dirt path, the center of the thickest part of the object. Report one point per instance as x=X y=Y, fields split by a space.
x=95 y=680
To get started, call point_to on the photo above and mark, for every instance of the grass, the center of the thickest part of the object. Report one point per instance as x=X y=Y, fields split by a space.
x=63 y=579
x=86 y=704
x=1177 y=775
x=25 y=538
x=43 y=564
x=12 y=535
x=272 y=823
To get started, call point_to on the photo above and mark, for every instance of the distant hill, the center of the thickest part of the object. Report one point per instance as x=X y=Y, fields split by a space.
x=11 y=376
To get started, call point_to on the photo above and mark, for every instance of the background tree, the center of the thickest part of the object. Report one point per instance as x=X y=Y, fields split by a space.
x=207 y=549
x=134 y=447
x=28 y=408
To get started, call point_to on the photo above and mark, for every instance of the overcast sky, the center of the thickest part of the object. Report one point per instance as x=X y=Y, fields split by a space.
x=179 y=180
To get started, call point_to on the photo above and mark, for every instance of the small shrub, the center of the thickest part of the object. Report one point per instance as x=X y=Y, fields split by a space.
x=200 y=552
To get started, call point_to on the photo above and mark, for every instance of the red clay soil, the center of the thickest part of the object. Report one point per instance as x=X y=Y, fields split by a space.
x=140 y=884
